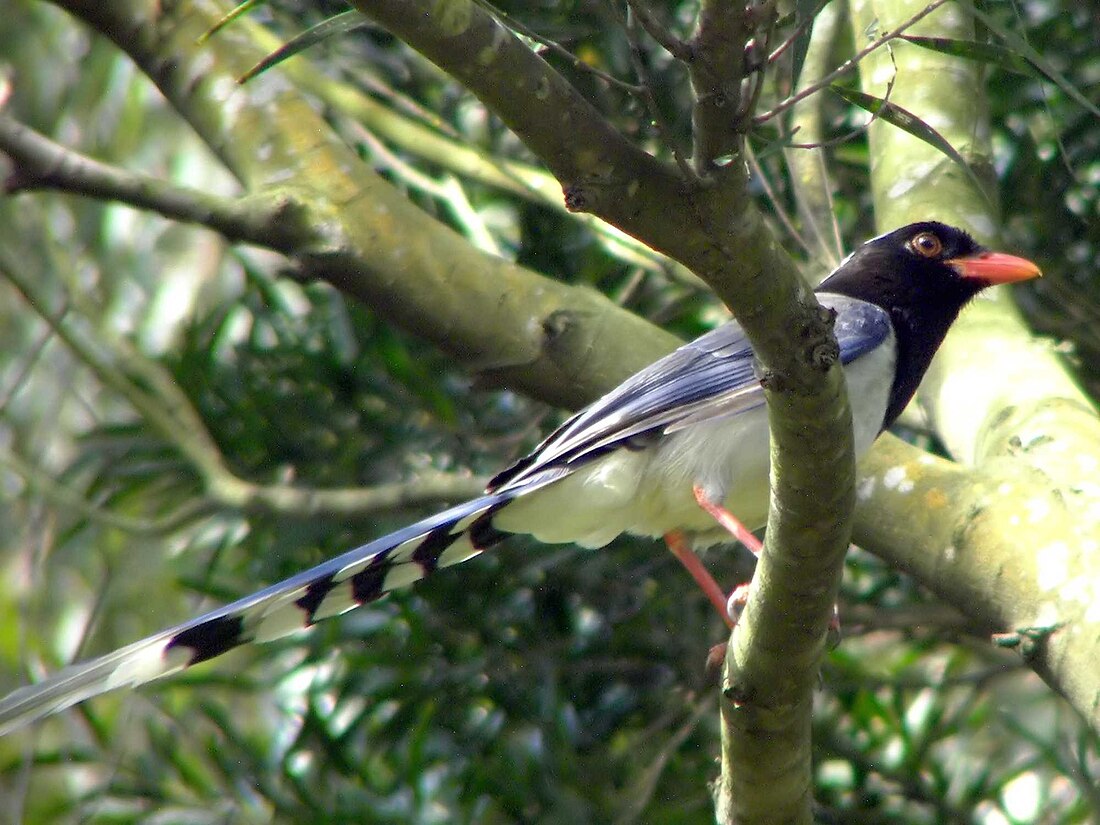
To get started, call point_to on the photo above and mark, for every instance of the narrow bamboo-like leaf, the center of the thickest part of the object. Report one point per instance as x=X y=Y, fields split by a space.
x=1000 y=56
x=1033 y=57
x=336 y=25
x=804 y=10
x=243 y=8
x=908 y=122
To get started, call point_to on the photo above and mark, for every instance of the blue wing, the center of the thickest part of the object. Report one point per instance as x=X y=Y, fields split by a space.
x=711 y=377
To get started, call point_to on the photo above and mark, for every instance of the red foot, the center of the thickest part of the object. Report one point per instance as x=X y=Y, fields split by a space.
x=728 y=608
x=716 y=657
x=737 y=601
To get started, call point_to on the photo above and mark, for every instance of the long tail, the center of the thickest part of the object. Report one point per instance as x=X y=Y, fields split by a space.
x=355 y=578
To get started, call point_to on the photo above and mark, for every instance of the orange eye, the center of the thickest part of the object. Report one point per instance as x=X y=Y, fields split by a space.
x=926 y=244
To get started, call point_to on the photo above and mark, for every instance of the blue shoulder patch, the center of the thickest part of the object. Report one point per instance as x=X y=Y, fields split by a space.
x=860 y=326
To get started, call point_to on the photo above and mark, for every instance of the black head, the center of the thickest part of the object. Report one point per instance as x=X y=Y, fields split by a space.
x=922 y=275
x=928 y=267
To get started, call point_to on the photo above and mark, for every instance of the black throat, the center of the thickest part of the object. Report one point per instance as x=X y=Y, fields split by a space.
x=919 y=335
x=922 y=299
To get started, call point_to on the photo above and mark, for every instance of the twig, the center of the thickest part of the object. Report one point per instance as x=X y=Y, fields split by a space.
x=177 y=422
x=27 y=367
x=557 y=48
x=825 y=144
x=754 y=79
x=847 y=65
x=40 y=163
x=773 y=199
x=664 y=38
x=651 y=101
x=809 y=175
x=799 y=29
x=284 y=500
x=641 y=792
x=447 y=190
x=154 y=394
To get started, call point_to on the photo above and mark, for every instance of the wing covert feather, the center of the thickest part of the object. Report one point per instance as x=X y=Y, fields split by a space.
x=711 y=377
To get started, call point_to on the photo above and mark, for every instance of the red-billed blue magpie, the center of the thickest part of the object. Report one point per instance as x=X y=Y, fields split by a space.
x=689 y=429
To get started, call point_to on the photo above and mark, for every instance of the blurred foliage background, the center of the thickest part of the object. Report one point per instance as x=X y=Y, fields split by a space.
x=535 y=684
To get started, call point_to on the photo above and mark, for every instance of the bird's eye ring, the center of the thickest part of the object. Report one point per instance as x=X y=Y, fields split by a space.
x=926 y=244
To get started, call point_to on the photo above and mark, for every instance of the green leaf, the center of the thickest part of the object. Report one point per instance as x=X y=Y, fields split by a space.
x=804 y=9
x=243 y=8
x=1021 y=46
x=1000 y=56
x=908 y=122
x=337 y=25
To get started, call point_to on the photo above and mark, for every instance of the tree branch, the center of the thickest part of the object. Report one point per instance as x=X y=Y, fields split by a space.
x=1009 y=542
x=711 y=227
x=40 y=163
x=286 y=501
x=73 y=500
x=1006 y=544
x=848 y=64
x=559 y=343
x=357 y=219
x=525 y=180
x=655 y=29
x=717 y=68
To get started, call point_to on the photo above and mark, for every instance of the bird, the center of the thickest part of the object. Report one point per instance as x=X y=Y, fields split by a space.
x=666 y=453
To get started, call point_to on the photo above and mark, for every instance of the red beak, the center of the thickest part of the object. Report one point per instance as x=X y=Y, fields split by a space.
x=995 y=268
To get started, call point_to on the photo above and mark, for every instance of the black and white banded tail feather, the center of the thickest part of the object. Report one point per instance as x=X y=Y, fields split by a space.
x=355 y=578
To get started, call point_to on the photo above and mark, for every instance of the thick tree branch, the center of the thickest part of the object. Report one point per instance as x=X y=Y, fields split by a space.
x=1013 y=541
x=1002 y=543
x=553 y=341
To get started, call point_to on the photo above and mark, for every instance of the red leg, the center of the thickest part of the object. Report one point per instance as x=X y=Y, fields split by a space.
x=728 y=608
x=678 y=544
x=740 y=594
x=728 y=520
x=731 y=608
